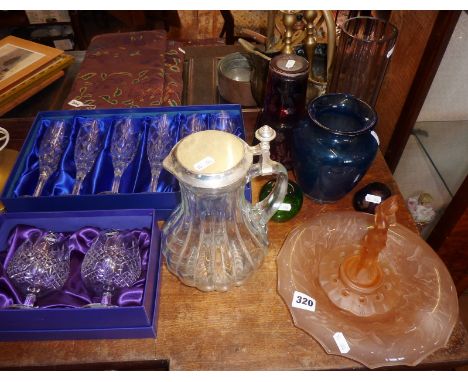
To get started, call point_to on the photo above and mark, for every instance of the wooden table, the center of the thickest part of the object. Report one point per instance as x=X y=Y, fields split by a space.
x=247 y=328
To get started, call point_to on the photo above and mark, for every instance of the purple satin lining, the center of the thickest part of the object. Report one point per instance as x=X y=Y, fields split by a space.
x=74 y=293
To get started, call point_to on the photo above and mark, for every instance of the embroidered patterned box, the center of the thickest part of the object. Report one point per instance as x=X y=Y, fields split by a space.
x=137 y=69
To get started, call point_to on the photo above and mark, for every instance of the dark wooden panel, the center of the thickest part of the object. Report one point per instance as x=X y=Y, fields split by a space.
x=18 y=129
x=156 y=365
x=414 y=29
x=10 y=19
x=449 y=238
x=402 y=105
x=200 y=81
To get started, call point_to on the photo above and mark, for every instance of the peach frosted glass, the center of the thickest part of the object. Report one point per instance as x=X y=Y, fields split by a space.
x=401 y=309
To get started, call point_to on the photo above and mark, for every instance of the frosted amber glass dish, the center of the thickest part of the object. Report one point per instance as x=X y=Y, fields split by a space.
x=420 y=319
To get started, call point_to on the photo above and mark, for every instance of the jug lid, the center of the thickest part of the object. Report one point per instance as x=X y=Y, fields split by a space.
x=209 y=159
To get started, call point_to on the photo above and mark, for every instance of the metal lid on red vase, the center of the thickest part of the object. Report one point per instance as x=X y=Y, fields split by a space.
x=290 y=65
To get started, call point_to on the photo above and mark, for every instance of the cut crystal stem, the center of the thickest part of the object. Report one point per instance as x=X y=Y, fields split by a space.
x=116 y=183
x=106 y=298
x=40 y=184
x=77 y=186
x=30 y=300
x=156 y=171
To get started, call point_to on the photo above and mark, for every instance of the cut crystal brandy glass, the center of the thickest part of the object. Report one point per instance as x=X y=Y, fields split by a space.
x=41 y=264
x=87 y=148
x=113 y=262
x=50 y=152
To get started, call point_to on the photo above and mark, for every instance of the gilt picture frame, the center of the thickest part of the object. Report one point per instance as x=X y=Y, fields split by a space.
x=20 y=58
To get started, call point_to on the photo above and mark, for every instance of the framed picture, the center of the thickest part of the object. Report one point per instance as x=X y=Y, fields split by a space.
x=20 y=58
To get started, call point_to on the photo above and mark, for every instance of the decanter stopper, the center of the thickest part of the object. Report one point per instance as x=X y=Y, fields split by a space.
x=265 y=135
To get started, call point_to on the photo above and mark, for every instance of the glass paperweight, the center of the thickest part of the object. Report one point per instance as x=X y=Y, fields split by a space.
x=367 y=288
x=370 y=196
x=292 y=201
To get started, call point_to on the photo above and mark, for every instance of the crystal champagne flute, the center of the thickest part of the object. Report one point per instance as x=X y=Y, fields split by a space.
x=50 y=152
x=160 y=142
x=87 y=148
x=124 y=144
x=193 y=124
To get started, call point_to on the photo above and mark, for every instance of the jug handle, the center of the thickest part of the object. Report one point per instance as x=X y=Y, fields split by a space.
x=266 y=208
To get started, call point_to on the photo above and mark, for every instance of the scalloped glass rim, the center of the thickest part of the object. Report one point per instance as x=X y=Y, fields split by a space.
x=405 y=336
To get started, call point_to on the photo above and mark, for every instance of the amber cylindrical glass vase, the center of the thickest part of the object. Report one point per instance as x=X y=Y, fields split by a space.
x=364 y=51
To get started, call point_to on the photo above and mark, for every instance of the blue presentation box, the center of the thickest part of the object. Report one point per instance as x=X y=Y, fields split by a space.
x=134 y=190
x=78 y=322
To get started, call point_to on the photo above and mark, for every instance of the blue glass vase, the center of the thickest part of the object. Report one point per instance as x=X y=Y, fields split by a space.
x=335 y=146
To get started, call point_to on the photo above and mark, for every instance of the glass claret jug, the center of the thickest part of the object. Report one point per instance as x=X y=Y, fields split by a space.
x=215 y=238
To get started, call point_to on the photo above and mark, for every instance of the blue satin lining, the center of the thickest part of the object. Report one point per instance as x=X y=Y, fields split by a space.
x=74 y=293
x=137 y=176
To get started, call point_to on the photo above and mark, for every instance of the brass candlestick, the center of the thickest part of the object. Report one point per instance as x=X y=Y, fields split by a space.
x=289 y=19
x=310 y=41
x=314 y=20
x=331 y=33
x=270 y=30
